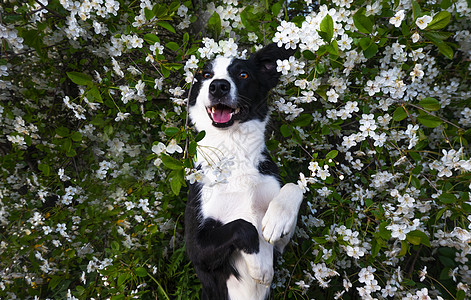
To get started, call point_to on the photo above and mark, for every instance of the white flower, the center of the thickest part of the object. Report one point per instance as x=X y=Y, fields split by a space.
x=121 y=116
x=252 y=37
x=415 y=37
x=195 y=176
x=398 y=231
x=159 y=148
x=423 y=273
x=61 y=228
x=303 y=182
x=372 y=87
x=423 y=22
x=129 y=205
x=173 y=147
x=366 y=275
x=159 y=83
x=332 y=95
x=397 y=19
x=417 y=72
x=302 y=285
x=355 y=252
x=283 y=66
x=423 y=294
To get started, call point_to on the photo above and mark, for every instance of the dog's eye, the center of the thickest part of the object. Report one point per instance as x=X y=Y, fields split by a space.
x=244 y=75
x=207 y=75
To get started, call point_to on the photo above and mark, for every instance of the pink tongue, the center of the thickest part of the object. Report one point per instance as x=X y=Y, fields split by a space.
x=221 y=114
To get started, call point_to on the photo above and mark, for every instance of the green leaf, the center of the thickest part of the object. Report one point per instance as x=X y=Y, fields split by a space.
x=414 y=240
x=444 y=4
x=149 y=14
x=430 y=104
x=303 y=120
x=327 y=27
x=173 y=46
x=71 y=153
x=165 y=71
x=192 y=147
x=122 y=278
x=175 y=185
x=399 y=114
x=200 y=136
x=404 y=248
x=95 y=94
x=364 y=43
x=62 y=131
x=76 y=136
x=362 y=22
x=171 y=131
x=416 y=11
x=276 y=8
x=284 y=129
x=160 y=11
x=214 y=23
x=445 y=49
x=151 y=38
x=429 y=121
x=370 y=51
x=114 y=245
x=67 y=145
x=383 y=232
x=439 y=21
x=171 y=163
x=141 y=272
x=165 y=25
x=332 y=154
x=447 y=198
x=333 y=48
x=437 y=35
x=46 y=169
x=418 y=237
x=174 y=6
x=80 y=78
x=33 y=39
x=309 y=55
x=55 y=280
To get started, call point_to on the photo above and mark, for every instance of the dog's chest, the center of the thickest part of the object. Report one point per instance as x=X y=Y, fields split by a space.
x=243 y=197
x=237 y=189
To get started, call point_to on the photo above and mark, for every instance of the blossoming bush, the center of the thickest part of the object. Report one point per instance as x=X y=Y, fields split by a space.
x=372 y=118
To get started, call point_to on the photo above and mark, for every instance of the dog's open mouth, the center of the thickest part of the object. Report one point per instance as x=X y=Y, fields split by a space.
x=222 y=115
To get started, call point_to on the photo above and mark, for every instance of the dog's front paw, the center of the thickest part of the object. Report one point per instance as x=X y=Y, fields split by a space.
x=282 y=212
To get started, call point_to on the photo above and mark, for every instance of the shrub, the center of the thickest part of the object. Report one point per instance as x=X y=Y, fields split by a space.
x=372 y=119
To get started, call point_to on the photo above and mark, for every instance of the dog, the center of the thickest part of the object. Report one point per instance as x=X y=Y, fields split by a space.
x=234 y=224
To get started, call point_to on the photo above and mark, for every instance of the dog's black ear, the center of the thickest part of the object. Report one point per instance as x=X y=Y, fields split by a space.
x=265 y=60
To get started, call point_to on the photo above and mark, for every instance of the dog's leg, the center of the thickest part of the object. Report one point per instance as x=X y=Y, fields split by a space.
x=260 y=265
x=216 y=242
x=279 y=221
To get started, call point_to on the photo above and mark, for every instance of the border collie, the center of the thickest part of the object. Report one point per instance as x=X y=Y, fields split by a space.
x=234 y=225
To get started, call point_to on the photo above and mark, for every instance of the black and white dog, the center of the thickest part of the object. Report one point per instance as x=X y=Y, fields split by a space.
x=234 y=225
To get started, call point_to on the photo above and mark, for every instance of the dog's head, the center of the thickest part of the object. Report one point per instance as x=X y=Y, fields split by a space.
x=230 y=91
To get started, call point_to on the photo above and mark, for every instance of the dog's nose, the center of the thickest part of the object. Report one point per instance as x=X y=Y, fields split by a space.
x=219 y=88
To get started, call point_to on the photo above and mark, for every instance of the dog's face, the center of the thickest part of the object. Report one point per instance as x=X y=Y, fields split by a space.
x=231 y=91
